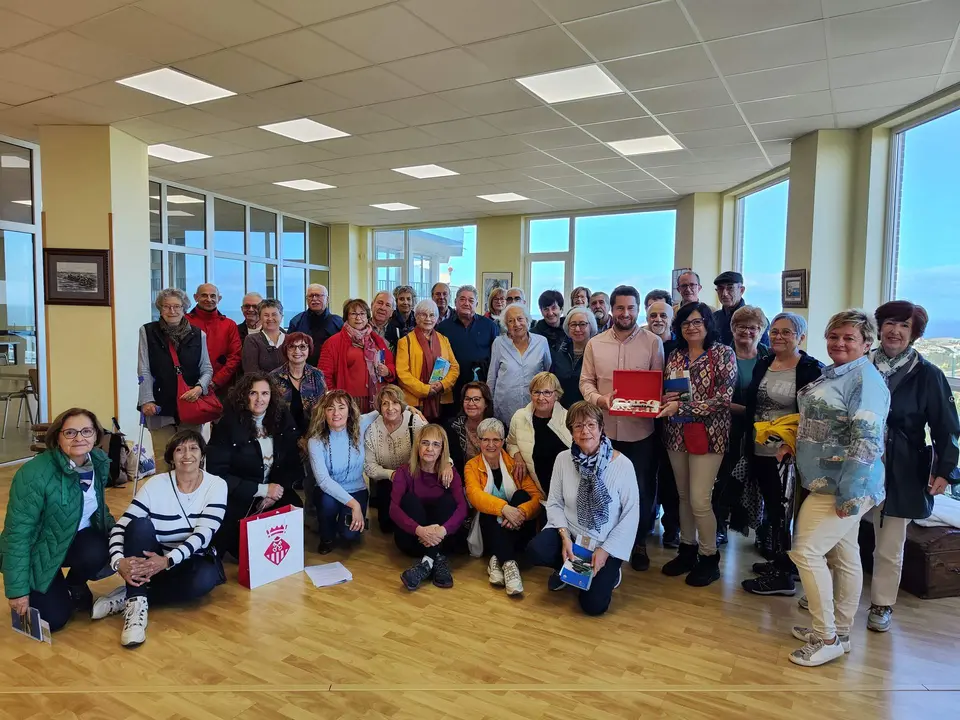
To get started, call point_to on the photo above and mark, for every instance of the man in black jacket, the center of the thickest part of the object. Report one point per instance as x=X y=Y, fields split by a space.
x=317 y=320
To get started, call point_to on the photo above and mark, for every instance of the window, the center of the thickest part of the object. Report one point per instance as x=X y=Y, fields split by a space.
x=263 y=233
x=16 y=183
x=924 y=250
x=232 y=286
x=294 y=292
x=761 y=234
x=187 y=272
x=229 y=226
x=422 y=257
x=155 y=227
x=186 y=218
x=294 y=239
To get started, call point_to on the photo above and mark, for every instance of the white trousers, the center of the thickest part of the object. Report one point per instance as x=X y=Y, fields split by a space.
x=887 y=557
x=696 y=476
x=823 y=543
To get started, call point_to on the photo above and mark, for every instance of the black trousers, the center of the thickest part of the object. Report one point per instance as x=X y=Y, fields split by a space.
x=424 y=512
x=227 y=539
x=188 y=580
x=501 y=541
x=766 y=470
x=382 y=501
x=667 y=490
x=86 y=557
x=642 y=453
x=546 y=550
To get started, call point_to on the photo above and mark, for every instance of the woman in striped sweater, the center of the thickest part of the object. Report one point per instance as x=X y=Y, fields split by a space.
x=161 y=545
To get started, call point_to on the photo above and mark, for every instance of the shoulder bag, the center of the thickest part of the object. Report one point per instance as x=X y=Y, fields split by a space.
x=206 y=408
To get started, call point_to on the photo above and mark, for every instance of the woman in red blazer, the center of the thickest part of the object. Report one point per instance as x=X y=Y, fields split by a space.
x=356 y=359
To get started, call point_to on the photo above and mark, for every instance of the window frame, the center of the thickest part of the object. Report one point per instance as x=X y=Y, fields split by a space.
x=406 y=263
x=739 y=210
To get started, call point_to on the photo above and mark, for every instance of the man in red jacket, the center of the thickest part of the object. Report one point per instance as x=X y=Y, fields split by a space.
x=223 y=340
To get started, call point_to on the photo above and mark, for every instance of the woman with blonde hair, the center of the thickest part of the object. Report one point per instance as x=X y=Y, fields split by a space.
x=538 y=432
x=496 y=302
x=425 y=511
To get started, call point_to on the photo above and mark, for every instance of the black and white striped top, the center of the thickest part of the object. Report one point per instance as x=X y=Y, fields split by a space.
x=158 y=501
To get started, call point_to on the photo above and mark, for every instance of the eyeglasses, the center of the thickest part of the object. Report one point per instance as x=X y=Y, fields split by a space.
x=785 y=334
x=172 y=308
x=315 y=296
x=70 y=434
x=299 y=348
x=512 y=299
x=579 y=325
x=473 y=400
x=249 y=307
x=424 y=315
x=747 y=328
x=697 y=323
x=358 y=313
x=494 y=440
x=543 y=393
x=688 y=286
x=590 y=426
x=435 y=444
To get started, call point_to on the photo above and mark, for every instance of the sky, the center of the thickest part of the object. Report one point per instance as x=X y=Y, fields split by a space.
x=765 y=246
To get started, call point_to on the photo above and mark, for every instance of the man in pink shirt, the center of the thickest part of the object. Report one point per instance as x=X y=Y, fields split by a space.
x=626 y=346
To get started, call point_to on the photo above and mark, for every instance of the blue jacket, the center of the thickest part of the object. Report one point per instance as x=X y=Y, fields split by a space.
x=472 y=347
x=722 y=321
x=840 y=441
x=320 y=327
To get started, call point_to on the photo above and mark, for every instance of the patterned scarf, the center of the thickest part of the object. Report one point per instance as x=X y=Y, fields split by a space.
x=176 y=333
x=431 y=351
x=363 y=339
x=593 y=498
x=888 y=366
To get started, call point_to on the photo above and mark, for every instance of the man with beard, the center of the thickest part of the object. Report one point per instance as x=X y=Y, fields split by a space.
x=316 y=321
x=223 y=340
x=626 y=346
x=600 y=307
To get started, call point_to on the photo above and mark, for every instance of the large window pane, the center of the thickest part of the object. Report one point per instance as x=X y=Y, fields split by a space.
x=262 y=278
x=228 y=226
x=156 y=281
x=263 y=233
x=388 y=244
x=764 y=248
x=186 y=218
x=228 y=277
x=18 y=313
x=155 y=234
x=294 y=291
x=389 y=277
x=16 y=184
x=294 y=239
x=623 y=249
x=186 y=272
x=544 y=275
x=443 y=255
x=322 y=277
x=550 y=235
x=319 y=245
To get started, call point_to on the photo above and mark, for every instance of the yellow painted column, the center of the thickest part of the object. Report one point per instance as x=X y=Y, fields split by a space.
x=349 y=265
x=500 y=248
x=699 y=240
x=95 y=197
x=870 y=218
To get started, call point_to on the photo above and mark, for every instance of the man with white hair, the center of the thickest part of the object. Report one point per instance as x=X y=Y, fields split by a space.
x=316 y=321
x=471 y=338
x=223 y=340
x=515 y=295
x=381 y=310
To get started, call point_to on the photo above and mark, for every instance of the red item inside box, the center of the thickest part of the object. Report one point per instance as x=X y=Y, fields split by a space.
x=637 y=385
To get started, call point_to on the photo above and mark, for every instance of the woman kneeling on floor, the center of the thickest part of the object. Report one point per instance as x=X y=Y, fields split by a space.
x=504 y=507
x=425 y=512
x=161 y=545
x=593 y=492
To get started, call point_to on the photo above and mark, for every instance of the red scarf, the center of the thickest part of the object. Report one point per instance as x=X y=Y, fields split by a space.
x=363 y=339
x=431 y=351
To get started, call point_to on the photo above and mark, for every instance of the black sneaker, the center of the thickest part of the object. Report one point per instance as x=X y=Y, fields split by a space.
x=765 y=568
x=684 y=562
x=671 y=538
x=325 y=548
x=416 y=574
x=706 y=571
x=442 y=577
x=554 y=583
x=639 y=560
x=773 y=584
x=82 y=597
x=721 y=537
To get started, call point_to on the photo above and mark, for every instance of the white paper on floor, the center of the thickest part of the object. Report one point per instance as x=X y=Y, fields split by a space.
x=328 y=574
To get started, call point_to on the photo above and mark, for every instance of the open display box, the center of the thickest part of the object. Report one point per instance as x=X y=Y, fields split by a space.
x=638 y=393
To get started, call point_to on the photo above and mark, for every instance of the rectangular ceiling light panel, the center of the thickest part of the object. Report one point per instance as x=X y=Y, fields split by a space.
x=576 y=84
x=304 y=185
x=176 y=86
x=503 y=197
x=304 y=130
x=425 y=171
x=393 y=207
x=174 y=154
x=645 y=146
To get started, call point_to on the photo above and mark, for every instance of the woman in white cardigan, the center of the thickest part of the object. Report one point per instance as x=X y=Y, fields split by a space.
x=538 y=432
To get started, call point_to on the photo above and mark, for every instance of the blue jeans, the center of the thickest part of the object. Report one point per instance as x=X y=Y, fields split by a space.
x=334 y=517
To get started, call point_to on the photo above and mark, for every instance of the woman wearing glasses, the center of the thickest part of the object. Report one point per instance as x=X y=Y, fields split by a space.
x=356 y=359
x=593 y=494
x=57 y=517
x=697 y=436
x=515 y=358
x=299 y=384
x=538 y=432
x=580 y=325
x=261 y=350
x=417 y=355
x=476 y=405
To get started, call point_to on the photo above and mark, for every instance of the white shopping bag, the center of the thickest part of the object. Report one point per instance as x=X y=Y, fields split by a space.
x=271 y=546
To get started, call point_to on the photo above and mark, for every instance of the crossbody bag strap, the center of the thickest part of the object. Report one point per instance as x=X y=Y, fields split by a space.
x=175 y=358
x=176 y=494
x=410 y=429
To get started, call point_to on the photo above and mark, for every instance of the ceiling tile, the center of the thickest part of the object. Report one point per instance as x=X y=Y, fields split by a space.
x=461 y=130
x=668 y=67
x=128 y=101
x=510 y=145
x=70 y=51
x=790 y=129
x=479 y=165
x=420 y=110
x=787 y=108
x=240 y=73
x=197 y=121
x=153 y=132
x=228 y=22
x=494 y=97
x=17 y=29
x=350 y=146
x=303 y=54
x=354 y=164
x=893 y=27
x=444 y=70
x=62 y=13
x=368 y=86
x=384 y=34
x=601 y=109
x=566 y=10
x=885 y=94
x=310 y=12
x=549 y=173
x=625 y=129
x=832 y=8
x=528 y=53
x=528 y=120
x=693 y=120
x=551 y=139
x=859 y=118
x=16 y=94
x=641 y=30
x=208 y=145
x=358 y=121
x=790 y=80
x=247 y=110
x=688 y=96
x=625 y=176
x=401 y=139
x=145 y=35
x=75 y=111
x=948 y=79
x=40 y=75
x=467 y=21
x=717 y=20
x=302 y=98
x=898 y=64
x=599 y=167
x=585 y=153
x=711 y=138
x=524 y=160
x=728 y=152
x=773 y=48
x=299 y=153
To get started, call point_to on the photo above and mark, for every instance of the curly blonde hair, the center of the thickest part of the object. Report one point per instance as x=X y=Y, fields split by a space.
x=318 y=421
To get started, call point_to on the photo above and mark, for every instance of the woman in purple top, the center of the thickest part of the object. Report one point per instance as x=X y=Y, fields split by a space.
x=425 y=511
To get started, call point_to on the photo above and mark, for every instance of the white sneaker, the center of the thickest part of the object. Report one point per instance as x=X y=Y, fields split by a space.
x=815 y=653
x=804 y=603
x=110 y=604
x=134 y=622
x=808 y=635
x=495 y=572
x=511 y=576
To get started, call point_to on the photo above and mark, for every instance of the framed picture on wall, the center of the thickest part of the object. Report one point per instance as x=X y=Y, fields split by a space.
x=491 y=280
x=76 y=277
x=793 y=289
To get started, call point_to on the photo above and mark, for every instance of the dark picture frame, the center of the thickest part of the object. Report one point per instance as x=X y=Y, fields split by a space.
x=490 y=280
x=76 y=277
x=793 y=289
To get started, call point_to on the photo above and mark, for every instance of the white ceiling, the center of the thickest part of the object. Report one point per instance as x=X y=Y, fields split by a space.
x=431 y=81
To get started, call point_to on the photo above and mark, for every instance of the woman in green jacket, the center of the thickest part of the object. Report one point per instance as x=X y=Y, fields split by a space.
x=57 y=517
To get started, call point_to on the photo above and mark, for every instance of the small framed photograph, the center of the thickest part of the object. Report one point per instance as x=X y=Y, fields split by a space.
x=491 y=280
x=76 y=277
x=793 y=289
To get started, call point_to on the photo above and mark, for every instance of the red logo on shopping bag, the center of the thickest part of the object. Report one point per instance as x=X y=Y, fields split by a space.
x=278 y=548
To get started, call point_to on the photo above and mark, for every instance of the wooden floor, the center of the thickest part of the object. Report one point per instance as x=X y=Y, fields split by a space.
x=370 y=649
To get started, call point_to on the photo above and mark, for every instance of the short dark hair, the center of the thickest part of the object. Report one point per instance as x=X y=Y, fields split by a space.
x=52 y=438
x=624 y=290
x=352 y=303
x=484 y=390
x=901 y=311
x=548 y=298
x=583 y=410
x=184 y=436
x=270 y=303
x=656 y=296
x=290 y=338
x=706 y=313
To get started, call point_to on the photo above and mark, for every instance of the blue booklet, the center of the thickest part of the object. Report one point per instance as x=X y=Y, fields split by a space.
x=440 y=369
x=579 y=571
x=678 y=381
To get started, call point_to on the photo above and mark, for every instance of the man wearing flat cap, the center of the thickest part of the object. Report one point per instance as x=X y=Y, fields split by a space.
x=729 y=286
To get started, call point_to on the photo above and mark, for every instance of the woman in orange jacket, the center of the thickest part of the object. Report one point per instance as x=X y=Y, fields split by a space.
x=505 y=509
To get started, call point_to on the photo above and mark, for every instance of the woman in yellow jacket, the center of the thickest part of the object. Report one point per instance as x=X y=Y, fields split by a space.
x=417 y=354
x=505 y=511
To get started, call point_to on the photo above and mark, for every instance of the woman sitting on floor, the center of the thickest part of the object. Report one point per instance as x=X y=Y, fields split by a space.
x=161 y=545
x=254 y=449
x=57 y=517
x=425 y=512
x=593 y=493
x=504 y=507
